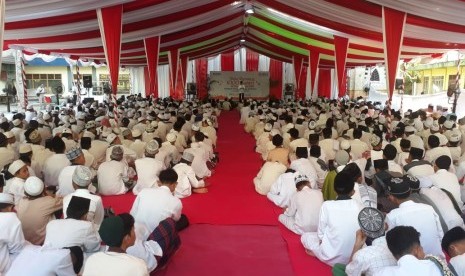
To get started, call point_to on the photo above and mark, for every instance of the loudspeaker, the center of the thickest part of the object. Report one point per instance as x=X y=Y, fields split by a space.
x=87 y=81
x=88 y=100
x=399 y=84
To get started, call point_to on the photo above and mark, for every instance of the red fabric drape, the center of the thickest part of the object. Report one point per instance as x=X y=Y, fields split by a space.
x=201 y=69
x=276 y=79
x=173 y=57
x=314 y=62
x=300 y=76
x=147 y=81
x=340 y=47
x=152 y=49
x=324 y=83
x=297 y=64
x=251 y=61
x=227 y=61
x=302 y=83
x=110 y=30
x=181 y=80
x=393 y=31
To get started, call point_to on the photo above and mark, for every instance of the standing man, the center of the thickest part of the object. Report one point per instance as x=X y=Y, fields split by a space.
x=241 y=90
x=40 y=93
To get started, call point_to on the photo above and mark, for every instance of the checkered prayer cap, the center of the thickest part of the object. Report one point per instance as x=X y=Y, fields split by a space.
x=82 y=176
x=73 y=153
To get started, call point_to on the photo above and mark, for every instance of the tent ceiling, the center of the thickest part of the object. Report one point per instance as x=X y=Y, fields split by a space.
x=279 y=29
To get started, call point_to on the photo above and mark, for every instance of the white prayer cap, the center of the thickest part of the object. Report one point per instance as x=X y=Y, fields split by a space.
x=448 y=124
x=33 y=186
x=140 y=119
x=410 y=129
x=88 y=134
x=268 y=127
x=435 y=126
x=110 y=138
x=16 y=122
x=136 y=133
x=274 y=132
x=16 y=166
x=152 y=147
x=7 y=198
x=189 y=157
x=9 y=134
x=82 y=176
x=375 y=140
x=345 y=144
x=3 y=119
x=428 y=122
x=455 y=136
x=195 y=127
x=25 y=148
x=171 y=137
x=90 y=124
x=66 y=131
x=47 y=116
x=149 y=128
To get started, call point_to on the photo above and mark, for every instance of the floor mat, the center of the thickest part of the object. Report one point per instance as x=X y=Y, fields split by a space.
x=230 y=250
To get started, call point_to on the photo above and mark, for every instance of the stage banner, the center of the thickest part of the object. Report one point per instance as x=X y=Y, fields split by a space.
x=224 y=84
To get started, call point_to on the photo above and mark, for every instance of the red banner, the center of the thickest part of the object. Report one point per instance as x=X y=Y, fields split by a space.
x=276 y=79
x=341 y=44
x=314 y=62
x=324 y=83
x=393 y=31
x=110 y=30
x=152 y=49
x=251 y=62
x=227 y=61
x=201 y=68
x=173 y=57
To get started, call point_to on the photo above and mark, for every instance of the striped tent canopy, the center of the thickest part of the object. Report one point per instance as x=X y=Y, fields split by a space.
x=280 y=29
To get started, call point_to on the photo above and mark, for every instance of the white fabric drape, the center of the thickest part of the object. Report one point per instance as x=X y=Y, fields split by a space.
x=239 y=59
x=263 y=63
x=214 y=63
x=137 y=80
x=191 y=71
x=2 y=28
x=334 y=89
x=288 y=73
x=163 y=81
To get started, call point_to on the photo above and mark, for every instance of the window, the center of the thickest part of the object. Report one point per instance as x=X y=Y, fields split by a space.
x=123 y=82
x=374 y=75
x=426 y=87
x=437 y=84
x=50 y=81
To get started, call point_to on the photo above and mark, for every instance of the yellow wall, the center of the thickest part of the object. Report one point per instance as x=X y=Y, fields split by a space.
x=445 y=72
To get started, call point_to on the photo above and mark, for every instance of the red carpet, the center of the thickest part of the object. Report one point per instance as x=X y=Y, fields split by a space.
x=230 y=250
x=232 y=200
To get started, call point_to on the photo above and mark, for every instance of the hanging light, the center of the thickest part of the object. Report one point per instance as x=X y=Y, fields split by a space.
x=248 y=8
x=242 y=39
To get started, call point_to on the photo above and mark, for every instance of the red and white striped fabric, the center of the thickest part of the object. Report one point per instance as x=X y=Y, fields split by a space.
x=78 y=84
x=279 y=29
x=23 y=65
